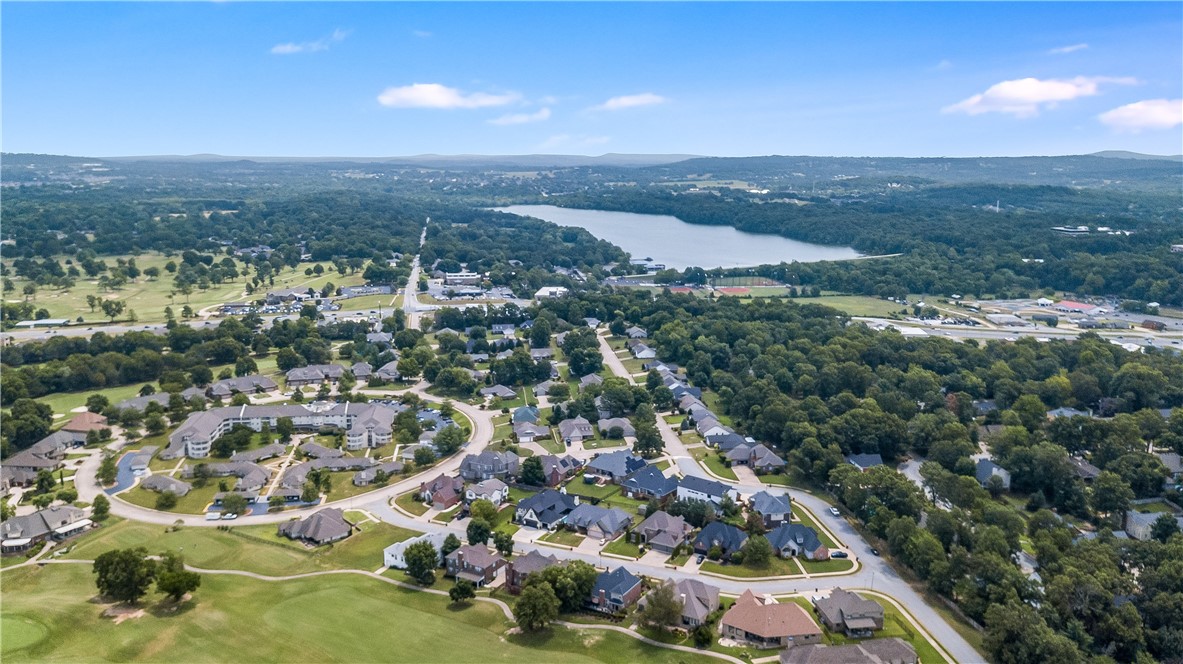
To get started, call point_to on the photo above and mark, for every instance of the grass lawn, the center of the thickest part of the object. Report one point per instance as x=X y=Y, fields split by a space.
x=407 y=503
x=64 y=402
x=447 y=517
x=775 y=567
x=622 y=547
x=780 y=480
x=1156 y=507
x=858 y=305
x=576 y=487
x=633 y=365
x=564 y=537
x=367 y=302
x=343 y=486
x=664 y=464
x=832 y=565
x=602 y=443
x=516 y=494
x=48 y=615
x=711 y=460
x=806 y=519
x=681 y=559
x=674 y=420
x=551 y=445
x=193 y=502
x=504 y=521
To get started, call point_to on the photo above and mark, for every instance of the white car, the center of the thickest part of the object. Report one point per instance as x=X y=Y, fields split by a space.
x=212 y=516
x=229 y=516
x=835 y=512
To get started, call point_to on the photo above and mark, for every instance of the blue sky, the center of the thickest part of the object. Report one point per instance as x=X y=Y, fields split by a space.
x=377 y=79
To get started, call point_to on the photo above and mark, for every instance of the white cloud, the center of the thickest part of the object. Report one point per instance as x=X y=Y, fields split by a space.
x=1064 y=50
x=1147 y=114
x=944 y=65
x=434 y=95
x=522 y=118
x=422 y=34
x=322 y=44
x=1025 y=97
x=630 y=101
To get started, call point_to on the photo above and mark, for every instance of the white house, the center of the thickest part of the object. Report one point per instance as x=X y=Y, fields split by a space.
x=392 y=556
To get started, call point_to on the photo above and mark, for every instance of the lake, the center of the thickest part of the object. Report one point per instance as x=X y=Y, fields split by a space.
x=679 y=245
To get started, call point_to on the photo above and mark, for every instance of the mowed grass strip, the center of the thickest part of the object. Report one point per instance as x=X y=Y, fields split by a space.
x=48 y=615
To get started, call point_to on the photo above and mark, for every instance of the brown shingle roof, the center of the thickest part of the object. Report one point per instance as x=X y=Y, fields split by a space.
x=769 y=621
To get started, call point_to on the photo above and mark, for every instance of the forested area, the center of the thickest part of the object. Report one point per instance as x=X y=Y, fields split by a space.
x=799 y=378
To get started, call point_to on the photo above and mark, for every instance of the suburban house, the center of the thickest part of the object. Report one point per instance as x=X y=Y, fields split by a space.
x=626 y=427
x=489 y=464
x=442 y=492
x=164 y=483
x=19 y=533
x=545 y=510
x=260 y=453
x=362 y=371
x=615 y=466
x=727 y=537
x=1140 y=525
x=649 y=482
x=700 y=488
x=985 y=469
x=85 y=422
x=615 y=590
x=873 y=651
x=541 y=353
x=589 y=380
x=1083 y=469
x=388 y=372
x=662 y=532
x=498 y=391
x=864 y=462
x=709 y=426
x=528 y=432
x=794 y=539
x=228 y=387
x=474 y=563
x=599 y=522
x=844 y=611
x=635 y=332
x=295 y=476
x=504 y=329
x=492 y=490
x=559 y=468
x=575 y=430
x=773 y=509
x=761 y=459
x=314 y=374
x=21 y=468
x=394 y=555
x=523 y=566
x=698 y=600
x=643 y=352
x=1173 y=464
x=323 y=527
x=317 y=451
x=765 y=623
x=365 y=425
x=366 y=476
x=526 y=414
x=541 y=389
x=251 y=477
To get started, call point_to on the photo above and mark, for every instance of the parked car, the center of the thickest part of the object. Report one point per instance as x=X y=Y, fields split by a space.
x=874 y=552
x=700 y=558
x=230 y=516
x=839 y=554
x=212 y=516
x=835 y=512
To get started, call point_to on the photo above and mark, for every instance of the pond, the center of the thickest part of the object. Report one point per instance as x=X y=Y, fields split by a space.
x=676 y=244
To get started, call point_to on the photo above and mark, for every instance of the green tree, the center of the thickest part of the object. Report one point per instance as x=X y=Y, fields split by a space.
x=537 y=606
x=1111 y=495
x=479 y=531
x=97 y=403
x=531 y=472
x=662 y=608
x=451 y=543
x=503 y=542
x=166 y=500
x=173 y=579
x=448 y=440
x=234 y=503
x=757 y=552
x=572 y=583
x=45 y=482
x=1164 y=527
x=422 y=560
x=124 y=575
x=112 y=308
x=100 y=509
x=424 y=456
x=108 y=471
x=483 y=509
x=463 y=591
x=285 y=429
x=276 y=502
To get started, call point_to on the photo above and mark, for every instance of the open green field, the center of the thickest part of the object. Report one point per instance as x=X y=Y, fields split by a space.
x=255 y=549
x=823 y=566
x=193 y=502
x=368 y=302
x=858 y=305
x=148 y=298
x=48 y=615
x=599 y=443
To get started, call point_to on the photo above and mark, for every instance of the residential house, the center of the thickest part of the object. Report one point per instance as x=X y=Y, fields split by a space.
x=492 y=490
x=527 y=432
x=498 y=391
x=599 y=522
x=295 y=476
x=794 y=539
x=1140 y=525
x=643 y=352
x=727 y=441
x=864 y=462
x=20 y=533
x=635 y=332
x=761 y=459
x=844 y=611
x=475 y=563
x=985 y=469
x=389 y=372
x=541 y=353
x=1174 y=465
x=489 y=464
x=504 y=329
x=251 y=476
x=260 y=453
x=700 y=488
x=362 y=371
x=21 y=469
x=575 y=430
x=589 y=380
x=228 y=387
x=317 y=451
x=557 y=469
x=727 y=537
x=442 y=492
x=164 y=483
x=527 y=414
x=593 y=323
x=625 y=426
x=614 y=591
x=774 y=509
x=649 y=482
x=394 y=555
x=367 y=476
x=1064 y=411
x=545 y=510
x=85 y=422
x=615 y=466
x=1084 y=470
x=523 y=566
x=698 y=600
x=541 y=389
x=56 y=444
x=765 y=623
x=314 y=374
x=662 y=532
x=323 y=527
x=873 y=651
x=709 y=426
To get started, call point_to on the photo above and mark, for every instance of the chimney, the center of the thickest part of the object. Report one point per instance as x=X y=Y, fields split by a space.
x=603 y=597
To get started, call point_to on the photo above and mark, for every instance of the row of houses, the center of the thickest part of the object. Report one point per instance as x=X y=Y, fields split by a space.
x=737 y=449
x=21 y=469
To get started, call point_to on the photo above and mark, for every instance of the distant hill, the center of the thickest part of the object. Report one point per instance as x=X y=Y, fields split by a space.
x=439 y=160
x=1123 y=154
